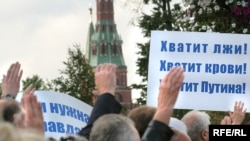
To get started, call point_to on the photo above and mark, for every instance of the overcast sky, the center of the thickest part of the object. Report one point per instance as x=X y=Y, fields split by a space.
x=38 y=33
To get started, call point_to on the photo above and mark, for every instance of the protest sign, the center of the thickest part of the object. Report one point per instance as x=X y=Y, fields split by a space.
x=63 y=114
x=216 y=68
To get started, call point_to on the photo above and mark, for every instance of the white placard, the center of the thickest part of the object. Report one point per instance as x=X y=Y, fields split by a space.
x=216 y=68
x=63 y=114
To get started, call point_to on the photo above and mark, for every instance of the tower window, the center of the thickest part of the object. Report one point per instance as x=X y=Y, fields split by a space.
x=97 y=28
x=103 y=47
x=102 y=7
x=93 y=47
x=118 y=48
x=111 y=28
x=103 y=28
x=115 y=49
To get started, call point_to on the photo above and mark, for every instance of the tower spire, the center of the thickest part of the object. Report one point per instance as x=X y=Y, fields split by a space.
x=90 y=13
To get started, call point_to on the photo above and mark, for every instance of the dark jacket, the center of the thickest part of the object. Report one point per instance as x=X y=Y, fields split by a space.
x=157 y=131
x=105 y=104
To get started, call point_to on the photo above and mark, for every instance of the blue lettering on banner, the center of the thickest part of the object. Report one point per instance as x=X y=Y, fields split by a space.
x=60 y=127
x=226 y=68
x=51 y=126
x=183 y=47
x=69 y=129
x=86 y=118
x=71 y=112
x=68 y=111
x=54 y=108
x=61 y=109
x=188 y=67
x=230 y=49
x=77 y=129
x=45 y=126
x=43 y=107
x=212 y=88
x=189 y=87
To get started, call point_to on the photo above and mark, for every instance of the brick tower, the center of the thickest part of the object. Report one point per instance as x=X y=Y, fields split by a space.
x=104 y=45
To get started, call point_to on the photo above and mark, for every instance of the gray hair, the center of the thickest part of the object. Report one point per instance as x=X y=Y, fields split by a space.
x=196 y=121
x=113 y=127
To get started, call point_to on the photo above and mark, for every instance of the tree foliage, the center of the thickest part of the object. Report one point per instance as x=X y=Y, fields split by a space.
x=77 y=78
x=37 y=82
x=159 y=19
x=223 y=16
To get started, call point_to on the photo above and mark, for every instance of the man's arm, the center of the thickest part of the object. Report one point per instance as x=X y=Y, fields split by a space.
x=237 y=116
x=105 y=80
x=105 y=104
x=32 y=118
x=158 y=129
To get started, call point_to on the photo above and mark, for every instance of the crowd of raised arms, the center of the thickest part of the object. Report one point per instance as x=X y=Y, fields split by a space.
x=23 y=121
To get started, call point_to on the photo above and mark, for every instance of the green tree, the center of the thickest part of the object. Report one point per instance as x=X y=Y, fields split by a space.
x=223 y=16
x=37 y=82
x=160 y=18
x=77 y=79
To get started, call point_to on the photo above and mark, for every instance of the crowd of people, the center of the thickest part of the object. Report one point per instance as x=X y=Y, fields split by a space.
x=23 y=121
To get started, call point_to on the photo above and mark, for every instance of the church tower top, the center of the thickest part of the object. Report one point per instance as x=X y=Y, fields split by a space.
x=105 y=10
x=90 y=13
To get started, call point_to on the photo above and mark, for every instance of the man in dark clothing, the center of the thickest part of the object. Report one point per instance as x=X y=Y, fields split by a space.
x=105 y=80
x=105 y=104
x=158 y=129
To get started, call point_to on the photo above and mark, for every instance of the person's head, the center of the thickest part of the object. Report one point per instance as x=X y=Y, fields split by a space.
x=113 y=127
x=197 y=123
x=31 y=136
x=141 y=117
x=73 y=138
x=7 y=132
x=178 y=124
x=179 y=136
x=10 y=110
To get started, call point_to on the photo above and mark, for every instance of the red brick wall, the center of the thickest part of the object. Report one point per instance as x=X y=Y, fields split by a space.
x=107 y=13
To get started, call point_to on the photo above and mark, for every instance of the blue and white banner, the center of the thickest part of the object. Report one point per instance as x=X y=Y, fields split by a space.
x=216 y=68
x=63 y=114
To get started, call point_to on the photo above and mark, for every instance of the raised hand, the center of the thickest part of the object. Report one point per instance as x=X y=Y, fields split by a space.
x=33 y=116
x=168 y=93
x=11 y=81
x=238 y=115
x=105 y=78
